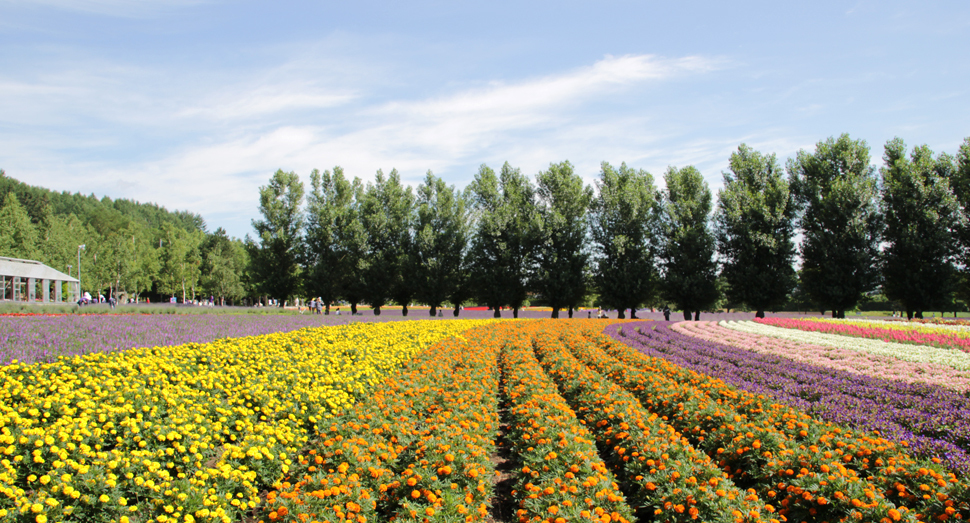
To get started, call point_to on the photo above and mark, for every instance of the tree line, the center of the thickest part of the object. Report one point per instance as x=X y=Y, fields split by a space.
x=827 y=231
x=507 y=239
x=130 y=250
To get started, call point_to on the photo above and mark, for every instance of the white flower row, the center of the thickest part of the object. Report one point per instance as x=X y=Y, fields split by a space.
x=954 y=358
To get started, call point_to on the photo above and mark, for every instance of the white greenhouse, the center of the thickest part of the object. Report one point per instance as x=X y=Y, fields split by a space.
x=28 y=281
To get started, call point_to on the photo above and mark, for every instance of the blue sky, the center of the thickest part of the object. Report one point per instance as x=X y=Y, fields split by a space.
x=194 y=104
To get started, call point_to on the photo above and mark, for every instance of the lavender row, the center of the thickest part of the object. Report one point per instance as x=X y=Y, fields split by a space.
x=34 y=339
x=934 y=421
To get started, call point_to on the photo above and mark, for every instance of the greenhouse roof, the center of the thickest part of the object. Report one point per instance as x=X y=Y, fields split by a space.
x=31 y=269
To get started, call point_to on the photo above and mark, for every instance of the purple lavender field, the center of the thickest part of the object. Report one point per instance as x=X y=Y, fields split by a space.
x=43 y=338
x=934 y=421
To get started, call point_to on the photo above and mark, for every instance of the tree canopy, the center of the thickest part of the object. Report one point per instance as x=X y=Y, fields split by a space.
x=754 y=228
x=923 y=220
x=562 y=253
x=624 y=232
x=840 y=222
x=275 y=252
x=687 y=254
x=441 y=237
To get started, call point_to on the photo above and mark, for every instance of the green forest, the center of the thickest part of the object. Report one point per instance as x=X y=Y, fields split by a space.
x=828 y=231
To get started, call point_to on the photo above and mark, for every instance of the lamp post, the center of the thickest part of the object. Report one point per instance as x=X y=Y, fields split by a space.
x=69 y=267
x=79 y=249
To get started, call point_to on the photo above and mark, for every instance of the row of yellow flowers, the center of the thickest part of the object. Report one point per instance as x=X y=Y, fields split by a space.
x=185 y=433
x=810 y=469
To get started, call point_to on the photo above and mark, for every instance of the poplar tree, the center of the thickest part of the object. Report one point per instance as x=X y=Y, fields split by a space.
x=923 y=221
x=386 y=217
x=441 y=237
x=329 y=203
x=624 y=231
x=689 y=271
x=836 y=189
x=276 y=256
x=960 y=183
x=562 y=250
x=503 y=246
x=754 y=230
x=351 y=237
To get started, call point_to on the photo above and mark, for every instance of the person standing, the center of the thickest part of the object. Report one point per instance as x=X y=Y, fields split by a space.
x=666 y=313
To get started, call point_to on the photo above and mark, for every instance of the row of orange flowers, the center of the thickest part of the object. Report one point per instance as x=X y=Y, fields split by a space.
x=666 y=477
x=810 y=469
x=561 y=476
x=417 y=450
x=597 y=432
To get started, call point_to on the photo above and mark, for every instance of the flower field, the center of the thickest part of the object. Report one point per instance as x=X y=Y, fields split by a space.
x=42 y=338
x=943 y=336
x=597 y=431
x=532 y=421
x=934 y=421
x=831 y=356
x=920 y=354
x=184 y=432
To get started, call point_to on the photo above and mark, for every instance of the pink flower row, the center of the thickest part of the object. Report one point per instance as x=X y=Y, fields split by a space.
x=833 y=357
x=848 y=329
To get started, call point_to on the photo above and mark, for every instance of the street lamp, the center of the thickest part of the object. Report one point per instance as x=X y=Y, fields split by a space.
x=79 y=249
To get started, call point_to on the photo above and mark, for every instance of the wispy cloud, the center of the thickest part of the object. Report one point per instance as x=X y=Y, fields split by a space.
x=439 y=133
x=475 y=120
x=246 y=130
x=266 y=100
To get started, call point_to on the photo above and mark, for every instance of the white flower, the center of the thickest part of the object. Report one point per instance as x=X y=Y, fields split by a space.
x=917 y=353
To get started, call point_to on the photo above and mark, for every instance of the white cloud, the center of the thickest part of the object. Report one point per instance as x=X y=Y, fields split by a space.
x=468 y=122
x=244 y=131
x=265 y=100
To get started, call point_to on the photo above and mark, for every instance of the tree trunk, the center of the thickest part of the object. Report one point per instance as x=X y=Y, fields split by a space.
x=686 y=315
x=328 y=309
x=633 y=313
x=515 y=312
x=433 y=310
x=919 y=314
x=909 y=314
x=760 y=314
x=571 y=312
x=497 y=313
x=353 y=309
x=377 y=311
x=621 y=314
x=697 y=315
x=457 y=310
x=404 y=310
x=555 y=312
